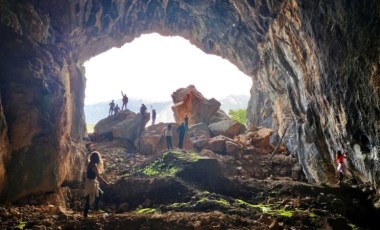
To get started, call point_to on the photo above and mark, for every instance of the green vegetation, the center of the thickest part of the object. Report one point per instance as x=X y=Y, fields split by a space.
x=239 y=115
x=159 y=168
x=21 y=225
x=266 y=208
x=354 y=227
x=146 y=210
x=168 y=164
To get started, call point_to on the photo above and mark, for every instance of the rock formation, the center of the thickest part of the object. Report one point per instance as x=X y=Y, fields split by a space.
x=314 y=67
x=199 y=109
x=126 y=125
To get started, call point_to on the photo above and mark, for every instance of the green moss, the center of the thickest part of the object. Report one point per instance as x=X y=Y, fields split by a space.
x=21 y=225
x=223 y=202
x=169 y=163
x=146 y=210
x=178 y=205
x=159 y=168
x=265 y=208
x=354 y=227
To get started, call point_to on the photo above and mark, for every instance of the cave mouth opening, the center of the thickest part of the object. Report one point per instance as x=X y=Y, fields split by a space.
x=151 y=68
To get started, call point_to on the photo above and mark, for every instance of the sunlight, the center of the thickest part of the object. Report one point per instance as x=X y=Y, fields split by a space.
x=152 y=67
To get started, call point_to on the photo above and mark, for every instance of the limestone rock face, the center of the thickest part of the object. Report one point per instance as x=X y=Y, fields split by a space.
x=199 y=109
x=314 y=67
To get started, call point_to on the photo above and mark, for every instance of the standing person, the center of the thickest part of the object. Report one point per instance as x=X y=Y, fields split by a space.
x=181 y=130
x=153 y=116
x=186 y=121
x=143 y=110
x=112 y=106
x=341 y=166
x=125 y=100
x=168 y=135
x=116 y=110
x=92 y=189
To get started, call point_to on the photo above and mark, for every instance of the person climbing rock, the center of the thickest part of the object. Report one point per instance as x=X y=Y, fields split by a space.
x=125 y=101
x=181 y=130
x=112 y=106
x=92 y=189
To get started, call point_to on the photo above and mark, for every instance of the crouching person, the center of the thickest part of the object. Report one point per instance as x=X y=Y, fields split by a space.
x=92 y=189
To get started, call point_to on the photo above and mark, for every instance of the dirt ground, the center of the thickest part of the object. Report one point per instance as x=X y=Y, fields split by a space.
x=183 y=190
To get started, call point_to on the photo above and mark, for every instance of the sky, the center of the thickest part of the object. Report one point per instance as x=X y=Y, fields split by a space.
x=152 y=67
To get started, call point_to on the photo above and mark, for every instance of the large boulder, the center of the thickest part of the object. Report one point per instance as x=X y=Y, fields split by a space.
x=153 y=140
x=229 y=128
x=199 y=109
x=261 y=137
x=218 y=144
x=125 y=125
x=199 y=135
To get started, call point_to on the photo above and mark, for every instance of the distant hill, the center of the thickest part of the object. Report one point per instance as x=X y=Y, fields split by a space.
x=98 y=111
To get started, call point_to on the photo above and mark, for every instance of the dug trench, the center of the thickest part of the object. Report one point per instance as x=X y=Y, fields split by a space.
x=181 y=189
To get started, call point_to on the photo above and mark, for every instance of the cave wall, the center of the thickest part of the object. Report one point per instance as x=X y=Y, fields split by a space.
x=319 y=75
x=314 y=67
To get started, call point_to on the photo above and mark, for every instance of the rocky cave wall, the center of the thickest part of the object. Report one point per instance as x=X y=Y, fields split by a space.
x=314 y=67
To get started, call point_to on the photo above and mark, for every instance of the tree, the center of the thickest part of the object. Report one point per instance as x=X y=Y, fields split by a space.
x=239 y=115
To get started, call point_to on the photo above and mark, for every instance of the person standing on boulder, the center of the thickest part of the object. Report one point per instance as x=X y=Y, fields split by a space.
x=112 y=106
x=125 y=100
x=143 y=110
x=92 y=189
x=153 y=116
x=116 y=110
x=186 y=121
x=168 y=135
x=181 y=130
x=341 y=166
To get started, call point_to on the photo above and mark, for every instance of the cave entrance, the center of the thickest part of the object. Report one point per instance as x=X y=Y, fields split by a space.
x=151 y=68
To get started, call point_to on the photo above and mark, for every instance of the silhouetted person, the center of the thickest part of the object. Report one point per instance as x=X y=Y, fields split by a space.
x=153 y=116
x=116 y=110
x=143 y=110
x=92 y=189
x=186 y=121
x=112 y=107
x=125 y=101
x=168 y=136
x=181 y=130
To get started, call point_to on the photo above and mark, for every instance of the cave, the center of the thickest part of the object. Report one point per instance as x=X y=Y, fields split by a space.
x=314 y=67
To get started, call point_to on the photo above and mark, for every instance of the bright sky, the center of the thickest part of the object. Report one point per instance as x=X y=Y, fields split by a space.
x=152 y=67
